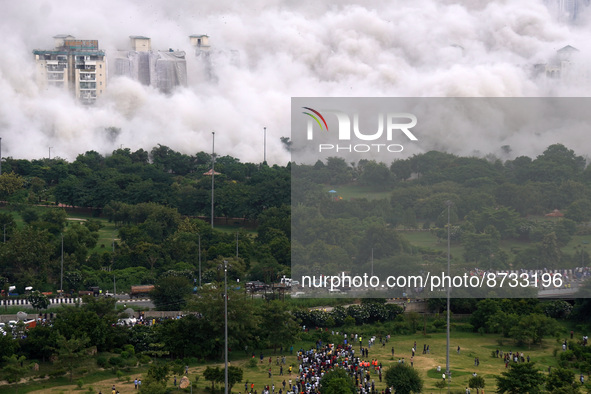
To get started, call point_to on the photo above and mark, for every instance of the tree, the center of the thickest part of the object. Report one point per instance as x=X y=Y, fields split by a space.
x=235 y=375
x=39 y=343
x=214 y=375
x=217 y=375
x=278 y=325
x=26 y=253
x=243 y=320
x=38 y=300
x=484 y=310
x=71 y=351
x=14 y=369
x=73 y=322
x=7 y=223
x=532 y=328
x=375 y=175
x=476 y=382
x=10 y=183
x=155 y=381
x=561 y=379
x=440 y=384
x=404 y=379
x=337 y=381
x=170 y=293
x=520 y=378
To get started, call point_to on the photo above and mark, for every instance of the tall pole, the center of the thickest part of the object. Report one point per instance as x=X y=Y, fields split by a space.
x=212 y=172
x=50 y=153
x=448 y=291
x=114 y=283
x=371 y=261
x=265 y=146
x=199 y=235
x=226 y=325
x=0 y=156
x=62 y=270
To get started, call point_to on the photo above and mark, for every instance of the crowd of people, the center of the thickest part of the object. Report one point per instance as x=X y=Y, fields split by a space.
x=315 y=362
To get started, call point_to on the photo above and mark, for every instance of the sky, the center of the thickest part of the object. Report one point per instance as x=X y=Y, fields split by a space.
x=373 y=48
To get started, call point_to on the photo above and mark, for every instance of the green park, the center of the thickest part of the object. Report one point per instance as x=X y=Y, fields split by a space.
x=96 y=230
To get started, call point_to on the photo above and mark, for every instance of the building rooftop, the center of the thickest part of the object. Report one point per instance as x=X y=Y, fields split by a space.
x=140 y=37
x=198 y=35
x=97 y=52
x=567 y=48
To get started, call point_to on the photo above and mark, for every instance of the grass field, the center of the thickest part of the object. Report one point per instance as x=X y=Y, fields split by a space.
x=462 y=365
x=348 y=192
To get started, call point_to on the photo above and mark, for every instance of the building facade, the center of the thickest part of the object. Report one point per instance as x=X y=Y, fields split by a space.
x=163 y=70
x=77 y=66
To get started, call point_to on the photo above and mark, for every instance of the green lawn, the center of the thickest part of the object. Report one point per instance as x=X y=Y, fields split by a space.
x=462 y=365
x=348 y=192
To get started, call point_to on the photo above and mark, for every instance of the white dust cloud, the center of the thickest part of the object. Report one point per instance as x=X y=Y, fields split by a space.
x=423 y=48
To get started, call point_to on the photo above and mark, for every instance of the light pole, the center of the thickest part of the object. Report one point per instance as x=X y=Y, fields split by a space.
x=50 y=152
x=448 y=292
x=199 y=235
x=265 y=146
x=114 y=282
x=62 y=270
x=226 y=325
x=212 y=171
x=0 y=156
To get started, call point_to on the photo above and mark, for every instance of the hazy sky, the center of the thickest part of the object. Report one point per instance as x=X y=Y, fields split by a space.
x=423 y=48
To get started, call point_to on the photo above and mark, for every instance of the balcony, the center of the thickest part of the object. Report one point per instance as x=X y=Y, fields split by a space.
x=56 y=68
x=88 y=85
x=55 y=76
x=86 y=68
x=87 y=77
x=87 y=97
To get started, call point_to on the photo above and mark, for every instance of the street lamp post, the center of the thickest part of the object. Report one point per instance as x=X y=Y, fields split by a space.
x=226 y=325
x=199 y=235
x=448 y=291
x=265 y=146
x=62 y=270
x=50 y=152
x=212 y=172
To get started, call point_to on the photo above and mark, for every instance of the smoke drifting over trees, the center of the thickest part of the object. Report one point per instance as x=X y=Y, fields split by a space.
x=422 y=48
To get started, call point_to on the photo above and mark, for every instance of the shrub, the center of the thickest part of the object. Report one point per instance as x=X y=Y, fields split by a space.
x=116 y=361
x=80 y=383
x=57 y=373
x=439 y=323
x=252 y=363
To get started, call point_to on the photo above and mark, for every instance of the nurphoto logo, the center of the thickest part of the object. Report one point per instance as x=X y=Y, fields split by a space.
x=395 y=123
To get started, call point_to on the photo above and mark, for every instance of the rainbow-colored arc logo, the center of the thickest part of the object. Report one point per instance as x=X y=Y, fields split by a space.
x=315 y=118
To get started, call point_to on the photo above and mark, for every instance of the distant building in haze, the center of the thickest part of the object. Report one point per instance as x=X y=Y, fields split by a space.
x=77 y=66
x=565 y=67
x=569 y=10
x=163 y=70
x=210 y=58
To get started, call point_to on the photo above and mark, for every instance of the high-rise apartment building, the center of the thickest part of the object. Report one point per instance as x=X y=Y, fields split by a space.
x=163 y=70
x=77 y=66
